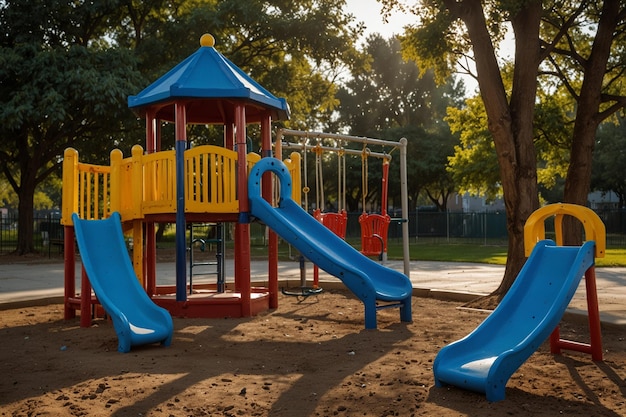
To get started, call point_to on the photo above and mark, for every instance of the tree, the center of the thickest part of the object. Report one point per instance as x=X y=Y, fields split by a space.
x=68 y=68
x=277 y=43
x=57 y=90
x=609 y=160
x=474 y=165
x=590 y=64
x=390 y=99
x=583 y=32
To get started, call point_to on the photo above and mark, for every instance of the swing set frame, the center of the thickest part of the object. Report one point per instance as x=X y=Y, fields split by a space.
x=400 y=145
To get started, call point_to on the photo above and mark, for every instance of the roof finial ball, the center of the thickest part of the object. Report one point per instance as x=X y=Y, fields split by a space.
x=207 y=40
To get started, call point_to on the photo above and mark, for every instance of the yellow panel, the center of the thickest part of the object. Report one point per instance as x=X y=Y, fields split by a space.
x=210 y=180
x=534 y=229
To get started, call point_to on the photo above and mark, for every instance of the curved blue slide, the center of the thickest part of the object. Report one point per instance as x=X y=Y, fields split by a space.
x=484 y=360
x=368 y=280
x=137 y=320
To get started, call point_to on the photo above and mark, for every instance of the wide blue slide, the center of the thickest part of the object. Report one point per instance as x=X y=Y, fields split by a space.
x=484 y=360
x=368 y=280
x=136 y=319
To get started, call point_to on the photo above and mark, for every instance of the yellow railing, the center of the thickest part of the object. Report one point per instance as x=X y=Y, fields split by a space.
x=86 y=189
x=209 y=180
x=293 y=164
x=146 y=184
x=159 y=181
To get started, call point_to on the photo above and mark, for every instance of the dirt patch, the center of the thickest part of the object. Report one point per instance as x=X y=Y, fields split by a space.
x=310 y=357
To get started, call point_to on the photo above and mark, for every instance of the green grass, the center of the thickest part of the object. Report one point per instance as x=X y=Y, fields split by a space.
x=451 y=253
x=490 y=254
x=614 y=257
x=444 y=252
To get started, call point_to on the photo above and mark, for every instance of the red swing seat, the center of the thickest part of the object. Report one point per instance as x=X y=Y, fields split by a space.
x=335 y=222
x=374 y=230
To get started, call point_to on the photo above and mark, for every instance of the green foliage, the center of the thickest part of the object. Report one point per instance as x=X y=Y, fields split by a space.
x=295 y=49
x=390 y=99
x=432 y=42
x=8 y=198
x=609 y=160
x=474 y=165
x=66 y=70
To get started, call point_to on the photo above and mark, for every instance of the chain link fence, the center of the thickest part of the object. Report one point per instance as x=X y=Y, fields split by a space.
x=477 y=228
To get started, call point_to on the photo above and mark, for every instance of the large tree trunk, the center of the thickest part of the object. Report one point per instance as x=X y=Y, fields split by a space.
x=29 y=163
x=511 y=125
x=588 y=117
x=25 y=219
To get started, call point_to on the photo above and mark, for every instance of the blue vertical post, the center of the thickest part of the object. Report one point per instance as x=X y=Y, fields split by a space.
x=181 y=242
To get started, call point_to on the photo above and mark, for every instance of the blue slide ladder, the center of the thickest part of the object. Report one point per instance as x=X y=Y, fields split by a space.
x=484 y=360
x=377 y=286
x=136 y=319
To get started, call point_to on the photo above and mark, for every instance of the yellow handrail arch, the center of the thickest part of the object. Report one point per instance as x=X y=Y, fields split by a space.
x=534 y=229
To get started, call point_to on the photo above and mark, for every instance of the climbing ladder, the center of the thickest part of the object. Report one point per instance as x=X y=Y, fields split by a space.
x=209 y=239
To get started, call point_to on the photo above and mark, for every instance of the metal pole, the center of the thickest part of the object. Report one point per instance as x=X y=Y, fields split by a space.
x=485 y=227
x=405 y=207
x=181 y=244
x=289 y=145
x=360 y=139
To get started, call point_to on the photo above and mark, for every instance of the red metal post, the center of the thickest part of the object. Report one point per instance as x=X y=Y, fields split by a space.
x=85 y=299
x=594 y=314
x=229 y=135
x=70 y=275
x=594 y=347
x=152 y=145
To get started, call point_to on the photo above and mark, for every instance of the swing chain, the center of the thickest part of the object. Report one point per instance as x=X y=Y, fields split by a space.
x=364 y=172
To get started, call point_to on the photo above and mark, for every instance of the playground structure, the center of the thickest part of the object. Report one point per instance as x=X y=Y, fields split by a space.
x=531 y=310
x=369 y=281
x=202 y=184
x=374 y=226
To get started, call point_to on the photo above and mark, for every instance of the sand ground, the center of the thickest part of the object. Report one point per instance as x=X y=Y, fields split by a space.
x=310 y=357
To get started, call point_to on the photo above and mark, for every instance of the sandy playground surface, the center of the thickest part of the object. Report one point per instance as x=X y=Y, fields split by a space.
x=310 y=357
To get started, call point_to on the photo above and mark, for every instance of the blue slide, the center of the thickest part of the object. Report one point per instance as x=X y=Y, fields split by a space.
x=484 y=360
x=137 y=320
x=368 y=280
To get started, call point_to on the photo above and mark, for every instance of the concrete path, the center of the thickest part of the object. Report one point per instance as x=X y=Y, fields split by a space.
x=43 y=283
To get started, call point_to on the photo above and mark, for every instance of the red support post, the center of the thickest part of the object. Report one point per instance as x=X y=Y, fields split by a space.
x=85 y=299
x=594 y=347
x=69 y=261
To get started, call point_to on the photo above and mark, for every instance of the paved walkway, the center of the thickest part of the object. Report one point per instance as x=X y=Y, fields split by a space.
x=43 y=283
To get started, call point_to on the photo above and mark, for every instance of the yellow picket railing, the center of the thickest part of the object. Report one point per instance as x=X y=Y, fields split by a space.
x=146 y=184
x=159 y=181
x=210 y=185
x=86 y=189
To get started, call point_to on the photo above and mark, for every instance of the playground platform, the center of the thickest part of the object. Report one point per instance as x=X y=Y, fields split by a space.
x=32 y=284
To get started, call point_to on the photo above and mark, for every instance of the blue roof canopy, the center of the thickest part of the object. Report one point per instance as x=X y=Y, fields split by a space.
x=210 y=85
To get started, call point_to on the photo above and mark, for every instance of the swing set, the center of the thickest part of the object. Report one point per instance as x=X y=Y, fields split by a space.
x=374 y=226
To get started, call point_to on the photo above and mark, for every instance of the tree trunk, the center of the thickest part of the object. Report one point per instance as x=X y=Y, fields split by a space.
x=25 y=218
x=588 y=118
x=510 y=125
x=160 y=232
x=29 y=161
